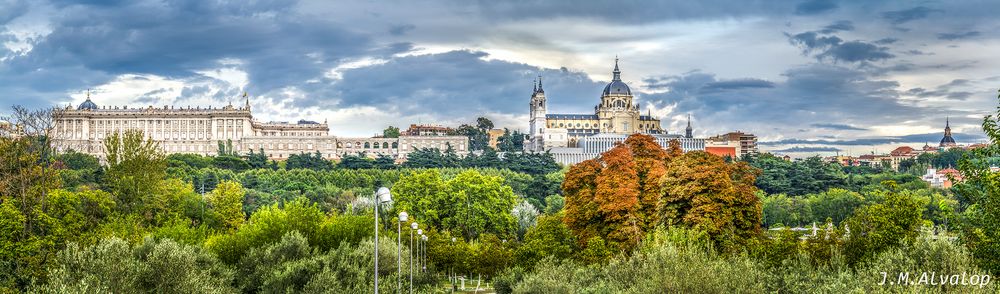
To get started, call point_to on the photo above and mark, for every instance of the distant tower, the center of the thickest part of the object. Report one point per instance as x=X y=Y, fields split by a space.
x=947 y=141
x=688 y=131
x=537 y=122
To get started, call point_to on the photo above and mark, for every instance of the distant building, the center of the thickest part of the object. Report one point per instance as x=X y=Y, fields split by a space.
x=944 y=178
x=428 y=130
x=723 y=148
x=947 y=141
x=495 y=137
x=746 y=144
x=200 y=130
x=8 y=129
x=591 y=147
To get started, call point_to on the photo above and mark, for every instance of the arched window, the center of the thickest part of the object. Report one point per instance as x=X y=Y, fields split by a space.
x=395 y=145
x=368 y=145
x=385 y=144
x=341 y=144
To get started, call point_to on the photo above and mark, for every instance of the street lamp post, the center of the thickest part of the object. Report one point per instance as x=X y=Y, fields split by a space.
x=420 y=235
x=382 y=195
x=453 y=276
x=413 y=226
x=424 y=248
x=399 y=249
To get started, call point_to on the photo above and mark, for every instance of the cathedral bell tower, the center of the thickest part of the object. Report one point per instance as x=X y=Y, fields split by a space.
x=537 y=122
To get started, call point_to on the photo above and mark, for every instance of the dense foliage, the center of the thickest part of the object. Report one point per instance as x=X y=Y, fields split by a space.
x=638 y=219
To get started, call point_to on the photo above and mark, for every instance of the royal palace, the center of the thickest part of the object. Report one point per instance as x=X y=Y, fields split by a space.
x=201 y=130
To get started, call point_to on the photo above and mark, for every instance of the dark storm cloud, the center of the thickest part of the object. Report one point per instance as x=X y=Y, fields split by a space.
x=830 y=47
x=456 y=83
x=842 y=127
x=400 y=30
x=943 y=91
x=856 y=51
x=810 y=41
x=958 y=36
x=631 y=11
x=907 y=15
x=917 y=52
x=840 y=25
x=811 y=7
x=10 y=9
x=737 y=84
x=886 y=41
x=91 y=43
x=815 y=92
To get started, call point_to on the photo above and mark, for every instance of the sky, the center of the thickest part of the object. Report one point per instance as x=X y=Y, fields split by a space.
x=807 y=77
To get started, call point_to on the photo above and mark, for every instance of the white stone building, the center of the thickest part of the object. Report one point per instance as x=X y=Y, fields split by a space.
x=617 y=113
x=200 y=130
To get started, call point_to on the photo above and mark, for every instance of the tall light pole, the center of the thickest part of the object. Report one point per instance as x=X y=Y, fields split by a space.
x=420 y=235
x=399 y=249
x=425 y=253
x=413 y=226
x=453 y=261
x=382 y=195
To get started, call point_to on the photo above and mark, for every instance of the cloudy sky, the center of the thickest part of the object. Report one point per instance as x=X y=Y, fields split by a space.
x=806 y=76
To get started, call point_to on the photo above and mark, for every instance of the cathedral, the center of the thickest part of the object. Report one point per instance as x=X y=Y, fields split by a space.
x=617 y=113
x=947 y=141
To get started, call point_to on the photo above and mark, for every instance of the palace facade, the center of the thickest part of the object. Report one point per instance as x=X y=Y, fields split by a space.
x=200 y=131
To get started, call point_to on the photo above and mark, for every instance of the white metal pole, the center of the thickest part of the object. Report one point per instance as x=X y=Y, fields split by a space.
x=376 y=242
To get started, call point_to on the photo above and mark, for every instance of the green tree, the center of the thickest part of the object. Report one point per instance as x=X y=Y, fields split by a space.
x=550 y=238
x=153 y=266
x=230 y=162
x=470 y=203
x=876 y=228
x=226 y=202
x=136 y=167
x=981 y=187
x=360 y=161
x=257 y=160
x=702 y=191
x=390 y=132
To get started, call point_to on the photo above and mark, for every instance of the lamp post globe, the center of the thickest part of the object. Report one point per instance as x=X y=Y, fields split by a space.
x=381 y=195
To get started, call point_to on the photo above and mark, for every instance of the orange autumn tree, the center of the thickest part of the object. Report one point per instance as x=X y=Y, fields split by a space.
x=702 y=191
x=651 y=164
x=615 y=196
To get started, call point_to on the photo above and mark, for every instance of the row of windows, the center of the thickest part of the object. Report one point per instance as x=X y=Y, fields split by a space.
x=588 y=125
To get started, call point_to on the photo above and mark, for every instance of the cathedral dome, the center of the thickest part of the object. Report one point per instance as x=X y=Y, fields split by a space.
x=87 y=105
x=616 y=86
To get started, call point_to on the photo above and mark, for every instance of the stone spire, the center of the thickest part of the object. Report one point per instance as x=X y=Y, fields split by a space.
x=688 y=131
x=616 y=74
x=947 y=140
x=535 y=89
x=540 y=90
